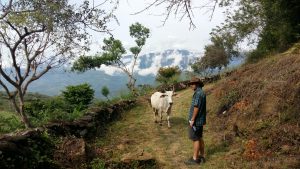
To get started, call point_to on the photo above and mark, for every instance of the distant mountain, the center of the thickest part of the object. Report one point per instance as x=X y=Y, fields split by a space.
x=53 y=82
x=150 y=63
x=147 y=66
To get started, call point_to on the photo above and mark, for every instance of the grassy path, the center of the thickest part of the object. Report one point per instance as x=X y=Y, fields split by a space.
x=136 y=136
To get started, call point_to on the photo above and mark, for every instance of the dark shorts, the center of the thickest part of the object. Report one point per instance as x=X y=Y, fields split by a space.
x=195 y=135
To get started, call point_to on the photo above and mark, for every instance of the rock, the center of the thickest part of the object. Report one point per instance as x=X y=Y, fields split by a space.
x=83 y=132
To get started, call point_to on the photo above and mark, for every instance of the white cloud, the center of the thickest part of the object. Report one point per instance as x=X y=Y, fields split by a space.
x=110 y=70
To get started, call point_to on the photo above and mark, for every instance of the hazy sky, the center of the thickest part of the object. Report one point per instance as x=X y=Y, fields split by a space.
x=174 y=34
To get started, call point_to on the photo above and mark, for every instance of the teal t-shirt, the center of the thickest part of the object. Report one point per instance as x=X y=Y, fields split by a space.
x=199 y=100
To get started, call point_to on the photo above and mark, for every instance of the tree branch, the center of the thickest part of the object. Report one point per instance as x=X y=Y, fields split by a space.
x=35 y=77
x=7 y=78
x=7 y=10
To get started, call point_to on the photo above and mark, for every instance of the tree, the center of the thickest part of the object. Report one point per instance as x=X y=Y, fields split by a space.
x=105 y=92
x=37 y=36
x=183 y=8
x=216 y=55
x=168 y=75
x=140 y=33
x=113 y=51
x=270 y=25
x=79 y=96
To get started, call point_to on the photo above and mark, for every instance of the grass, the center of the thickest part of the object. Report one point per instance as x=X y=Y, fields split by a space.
x=136 y=132
x=253 y=95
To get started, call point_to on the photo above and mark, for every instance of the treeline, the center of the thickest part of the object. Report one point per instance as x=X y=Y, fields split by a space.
x=271 y=25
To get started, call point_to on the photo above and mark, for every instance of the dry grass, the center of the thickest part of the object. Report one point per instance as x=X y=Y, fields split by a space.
x=260 y=128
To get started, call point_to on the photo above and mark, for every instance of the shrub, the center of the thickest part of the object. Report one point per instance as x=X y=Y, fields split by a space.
x=79 y=96
x=105 y=92
x=9 y=123
x=97 y=164
x=56 y=108
x=168 y=75
x=228 y=100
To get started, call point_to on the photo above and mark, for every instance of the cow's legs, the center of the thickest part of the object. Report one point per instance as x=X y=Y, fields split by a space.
x=168 y=118
x=155 y=114
x=160 y=115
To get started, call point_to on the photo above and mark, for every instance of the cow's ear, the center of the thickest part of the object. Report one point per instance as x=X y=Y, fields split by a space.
x=162 y=96
x=174 y=94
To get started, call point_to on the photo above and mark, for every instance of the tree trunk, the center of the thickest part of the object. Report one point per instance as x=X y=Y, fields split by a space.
x=26 y=121
x=24 y=117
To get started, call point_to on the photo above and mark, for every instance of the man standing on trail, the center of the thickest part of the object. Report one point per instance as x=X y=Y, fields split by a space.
x=197 y=118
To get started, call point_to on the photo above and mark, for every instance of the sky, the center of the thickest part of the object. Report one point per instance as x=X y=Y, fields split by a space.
x=174 y=34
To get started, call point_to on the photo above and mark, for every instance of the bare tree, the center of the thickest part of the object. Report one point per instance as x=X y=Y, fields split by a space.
x=185 y=8
x=36 y=36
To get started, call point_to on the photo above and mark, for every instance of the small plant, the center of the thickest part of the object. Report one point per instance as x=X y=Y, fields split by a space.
x=97 y=163
x=105 y=92
x=228 y=100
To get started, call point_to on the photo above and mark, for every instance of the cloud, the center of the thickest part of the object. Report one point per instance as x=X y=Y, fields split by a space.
x=110 y=70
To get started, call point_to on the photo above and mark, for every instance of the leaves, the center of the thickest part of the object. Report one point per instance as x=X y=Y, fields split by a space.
x=38 y=35
x=113 y=51
x=168 y=74
x=105 y=91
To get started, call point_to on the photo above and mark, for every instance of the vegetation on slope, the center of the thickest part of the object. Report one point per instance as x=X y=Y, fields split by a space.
x=253 y=122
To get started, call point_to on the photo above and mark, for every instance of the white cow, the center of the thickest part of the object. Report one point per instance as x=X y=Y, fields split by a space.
x=162 y=103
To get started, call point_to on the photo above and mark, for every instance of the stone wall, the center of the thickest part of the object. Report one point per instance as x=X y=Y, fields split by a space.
x=34 y=148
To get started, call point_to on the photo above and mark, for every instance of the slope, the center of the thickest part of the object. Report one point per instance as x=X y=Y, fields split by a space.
x=253 y=122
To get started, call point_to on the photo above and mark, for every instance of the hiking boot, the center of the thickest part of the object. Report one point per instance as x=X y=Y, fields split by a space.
x=191 y=161
x=201 y=159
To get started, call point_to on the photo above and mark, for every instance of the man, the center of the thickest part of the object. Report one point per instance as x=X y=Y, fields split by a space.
x=197 y=118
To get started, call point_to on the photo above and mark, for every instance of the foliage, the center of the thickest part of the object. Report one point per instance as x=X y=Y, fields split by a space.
x=32 y=152
x=168 y=75
x=113 y=51
x=37 y=36
x=79 y=96
x=9 y=122
x=217 y=55
x=56 y=108
x=144 y=89
x=272 y=25
x=228 y=100
x=97 y=164
x=105 y=92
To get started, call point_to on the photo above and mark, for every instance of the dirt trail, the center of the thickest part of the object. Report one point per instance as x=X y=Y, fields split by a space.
x=136 y=136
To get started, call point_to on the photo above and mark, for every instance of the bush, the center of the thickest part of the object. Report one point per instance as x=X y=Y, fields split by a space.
x=228 y=100
x=9 y=123
x=144 y=90
x=79 y=96
x=168 y=75
x=97 y=164
x=105 y=92
x=56 y=108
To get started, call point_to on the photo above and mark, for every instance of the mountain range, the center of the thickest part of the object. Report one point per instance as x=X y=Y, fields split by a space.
x=53 y=82
x=149 y=64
